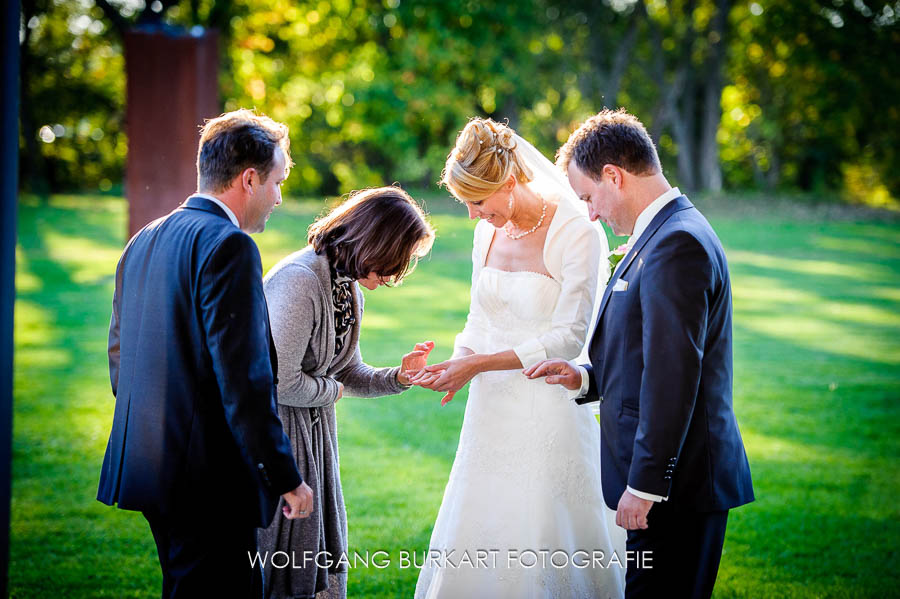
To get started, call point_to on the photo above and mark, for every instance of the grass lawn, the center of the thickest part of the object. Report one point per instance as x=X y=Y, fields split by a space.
x=817 y=394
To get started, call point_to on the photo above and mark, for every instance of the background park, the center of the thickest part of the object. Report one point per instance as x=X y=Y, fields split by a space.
x=781 y=120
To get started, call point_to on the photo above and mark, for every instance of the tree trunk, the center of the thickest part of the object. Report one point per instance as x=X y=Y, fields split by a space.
x=774 y=173
x=675 y=109
x=591 y=82
x=623 y=56
x=683 y=131
x=710 y=168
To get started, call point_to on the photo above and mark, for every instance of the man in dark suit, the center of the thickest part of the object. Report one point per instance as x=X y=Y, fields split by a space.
x=196 y=443
x=661 y=364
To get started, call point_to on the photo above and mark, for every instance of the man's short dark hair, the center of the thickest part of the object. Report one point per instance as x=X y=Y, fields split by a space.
x=610 y=137
x=236 y=141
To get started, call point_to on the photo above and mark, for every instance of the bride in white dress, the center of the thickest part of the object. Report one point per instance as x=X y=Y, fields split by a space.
x=523 y=513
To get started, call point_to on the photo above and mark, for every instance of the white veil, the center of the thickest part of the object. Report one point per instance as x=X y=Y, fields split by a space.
x=548 y=180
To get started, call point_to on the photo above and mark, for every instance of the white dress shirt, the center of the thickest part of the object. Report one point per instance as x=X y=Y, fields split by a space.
x=640 y=225
x=221 y=205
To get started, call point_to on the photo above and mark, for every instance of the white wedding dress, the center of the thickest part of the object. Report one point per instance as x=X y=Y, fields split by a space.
x=526 y=477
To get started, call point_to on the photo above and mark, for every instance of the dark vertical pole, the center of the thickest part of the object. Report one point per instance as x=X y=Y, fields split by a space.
x=9 y=168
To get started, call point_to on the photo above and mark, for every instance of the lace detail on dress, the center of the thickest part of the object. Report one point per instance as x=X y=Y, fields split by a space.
x=526 y=476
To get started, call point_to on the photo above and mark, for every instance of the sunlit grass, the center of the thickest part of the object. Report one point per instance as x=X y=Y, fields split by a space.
x=817 y=390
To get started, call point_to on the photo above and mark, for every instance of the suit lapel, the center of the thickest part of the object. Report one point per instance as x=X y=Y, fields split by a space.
x=676 y=205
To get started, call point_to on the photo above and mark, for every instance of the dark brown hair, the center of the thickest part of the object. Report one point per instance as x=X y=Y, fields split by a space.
x=610 y=137
x=380 y=230
x=236 y=141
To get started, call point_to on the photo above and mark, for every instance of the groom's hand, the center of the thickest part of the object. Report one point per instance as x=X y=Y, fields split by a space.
x=298 y=503
x=632 y=512
x=558 y=372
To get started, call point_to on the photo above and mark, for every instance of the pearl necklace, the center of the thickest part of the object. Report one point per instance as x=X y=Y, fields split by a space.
x=532 y=229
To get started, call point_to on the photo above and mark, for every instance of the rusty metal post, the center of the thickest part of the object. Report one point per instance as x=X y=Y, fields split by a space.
x=172 y=88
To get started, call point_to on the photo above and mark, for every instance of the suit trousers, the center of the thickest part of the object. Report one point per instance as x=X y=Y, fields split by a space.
x=685 y=547
x=202 y=556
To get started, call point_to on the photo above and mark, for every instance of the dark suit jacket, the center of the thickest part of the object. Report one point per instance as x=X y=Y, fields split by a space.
x=661 y=363
x=193 y=366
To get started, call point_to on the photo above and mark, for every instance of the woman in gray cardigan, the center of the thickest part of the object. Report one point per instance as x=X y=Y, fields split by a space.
x=315 y=307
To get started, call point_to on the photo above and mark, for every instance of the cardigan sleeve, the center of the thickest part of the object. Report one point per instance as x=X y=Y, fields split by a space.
x=361 y=380
x=294 y=298
x=476 y=322
x=580 y=251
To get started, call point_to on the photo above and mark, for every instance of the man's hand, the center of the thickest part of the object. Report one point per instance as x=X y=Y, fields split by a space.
x=558 y=372
x=340 y=392
x=632 y=511
x=299 y=502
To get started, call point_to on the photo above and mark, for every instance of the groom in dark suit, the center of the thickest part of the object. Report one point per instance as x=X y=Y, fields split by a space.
x=672 y=458
x=196 y=443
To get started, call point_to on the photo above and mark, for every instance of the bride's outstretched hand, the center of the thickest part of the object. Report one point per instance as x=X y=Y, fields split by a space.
x=414 y=361
x=449 y=376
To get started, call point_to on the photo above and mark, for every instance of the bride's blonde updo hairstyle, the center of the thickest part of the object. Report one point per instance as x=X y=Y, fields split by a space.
x=483 y=159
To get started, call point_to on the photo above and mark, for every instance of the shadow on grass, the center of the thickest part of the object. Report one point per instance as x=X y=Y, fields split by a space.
x=816 y=393
x=63 y=542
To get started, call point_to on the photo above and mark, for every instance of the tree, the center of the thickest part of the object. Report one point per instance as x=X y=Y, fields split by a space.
x=806 y=106
x=72 y=96
x=746 y=93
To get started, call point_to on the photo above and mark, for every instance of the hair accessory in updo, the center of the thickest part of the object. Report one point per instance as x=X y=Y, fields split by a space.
x=482 y=161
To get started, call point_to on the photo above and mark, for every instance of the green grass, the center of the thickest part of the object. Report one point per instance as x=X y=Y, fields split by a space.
x=817 y=384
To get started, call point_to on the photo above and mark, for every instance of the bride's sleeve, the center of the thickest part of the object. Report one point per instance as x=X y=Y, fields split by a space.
x=476 y=323
x=581 y=252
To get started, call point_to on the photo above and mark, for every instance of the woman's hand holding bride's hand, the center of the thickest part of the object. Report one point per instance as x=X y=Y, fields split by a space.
x=449 y=376
x=414 y=361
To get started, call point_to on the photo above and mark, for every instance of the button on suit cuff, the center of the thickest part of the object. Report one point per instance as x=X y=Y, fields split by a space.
x=585 y=384
x=647 y=496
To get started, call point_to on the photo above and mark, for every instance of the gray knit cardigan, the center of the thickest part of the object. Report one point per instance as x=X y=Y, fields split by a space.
x=298 y=293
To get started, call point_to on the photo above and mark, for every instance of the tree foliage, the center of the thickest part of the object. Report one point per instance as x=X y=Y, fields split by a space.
x=72 y=98
x=763 y=94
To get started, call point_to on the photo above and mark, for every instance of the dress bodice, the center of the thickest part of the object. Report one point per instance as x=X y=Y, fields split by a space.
x=515 y=305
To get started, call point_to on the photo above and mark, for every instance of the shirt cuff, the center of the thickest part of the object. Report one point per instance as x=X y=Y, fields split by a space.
x=585 y=384
x=530 y=353
x=647 y=496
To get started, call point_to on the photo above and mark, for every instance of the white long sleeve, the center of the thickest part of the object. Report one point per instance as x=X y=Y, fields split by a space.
x=579 y=247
